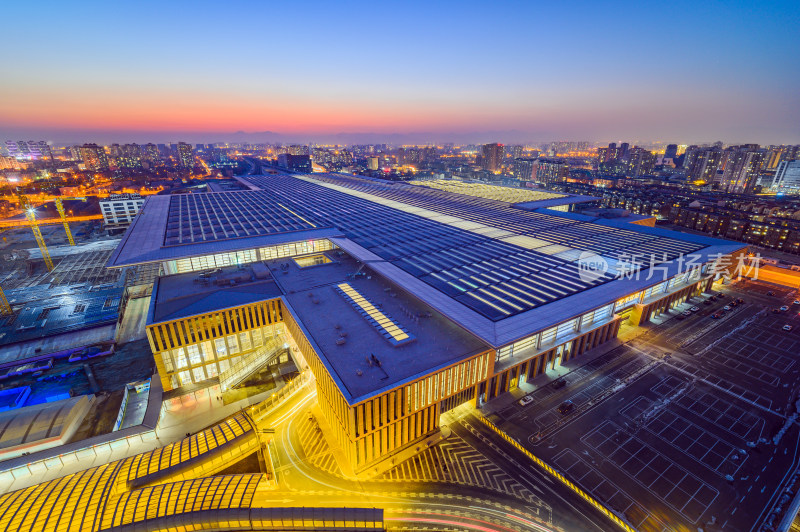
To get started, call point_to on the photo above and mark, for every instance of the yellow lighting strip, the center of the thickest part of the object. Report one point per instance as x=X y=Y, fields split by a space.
x=291 y=211
x=394 y=330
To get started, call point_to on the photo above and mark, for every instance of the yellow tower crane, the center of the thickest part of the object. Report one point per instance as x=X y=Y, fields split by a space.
x=60 y=207
x=30 y=213
x=5 y=308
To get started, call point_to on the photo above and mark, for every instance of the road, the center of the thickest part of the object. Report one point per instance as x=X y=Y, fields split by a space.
x=409 y=502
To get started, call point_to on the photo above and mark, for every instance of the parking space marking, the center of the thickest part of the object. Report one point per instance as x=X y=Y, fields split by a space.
x=723 y=414
x=603 y=489
x=685 y=436
x=734 y=389
x=677 y=488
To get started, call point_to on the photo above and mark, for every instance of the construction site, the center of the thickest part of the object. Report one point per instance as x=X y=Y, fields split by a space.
x=75 y=363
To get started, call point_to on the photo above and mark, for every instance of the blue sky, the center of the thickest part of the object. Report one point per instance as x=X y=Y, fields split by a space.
x=690 y=71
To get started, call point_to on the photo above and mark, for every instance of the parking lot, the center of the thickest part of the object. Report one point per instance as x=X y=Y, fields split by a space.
x=674 y=430
x=747 y=352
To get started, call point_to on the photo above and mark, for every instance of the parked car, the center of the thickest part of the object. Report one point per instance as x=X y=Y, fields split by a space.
x=707 y=302
x=694 y=309
x=776 y=311
x=726 y=307
x=740 y=300
x=716 y=315
x=770 y=293
x=687 y=312
x=784 y=308
x=787 y=327
x=796 y=302
x=680 y=317
x=566 y=407
x=559 y=383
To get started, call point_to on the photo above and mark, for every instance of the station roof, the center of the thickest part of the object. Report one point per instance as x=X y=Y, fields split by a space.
x=190 y=294
x=498 y=269
x=351 y=317
x=191 y=225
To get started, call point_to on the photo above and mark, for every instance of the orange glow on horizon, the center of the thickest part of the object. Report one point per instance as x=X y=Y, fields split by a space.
x=200 y=112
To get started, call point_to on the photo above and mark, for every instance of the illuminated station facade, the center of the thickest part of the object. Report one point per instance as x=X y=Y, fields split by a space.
x=404 y=300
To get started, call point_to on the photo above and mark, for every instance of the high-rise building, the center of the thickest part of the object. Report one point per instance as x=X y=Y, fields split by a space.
x=740 y=168
x=373 y=163
x=150 y=153
x=776 y=154
x=671 y=152
x=298 y=149
x=704 y=165
x=547 y=171
x=115 y=151
x=523 y=168
x=94 y=158
x=787 y=177
x=218 y=155
x=516 y=151
x=492 y=156
x=641 y=161
x=10 y=163
x=295 y=163
x=185 y=155
x=33 y=150
x=609 y=154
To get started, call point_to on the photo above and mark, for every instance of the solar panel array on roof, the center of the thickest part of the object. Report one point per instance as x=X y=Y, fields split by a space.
x=549 y=228
x=493 y=258
x=506 y=194
x=496 y=278
x=196 y=218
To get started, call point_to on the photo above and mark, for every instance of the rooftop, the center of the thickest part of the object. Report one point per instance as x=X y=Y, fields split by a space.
x=190 y=225
x=406 y=336
x=190 y=294
x=498 y=269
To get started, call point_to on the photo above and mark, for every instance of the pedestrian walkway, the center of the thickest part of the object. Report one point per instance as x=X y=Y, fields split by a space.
x=179 y=416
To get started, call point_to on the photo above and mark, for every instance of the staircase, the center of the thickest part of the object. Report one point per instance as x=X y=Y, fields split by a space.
x=248 y=364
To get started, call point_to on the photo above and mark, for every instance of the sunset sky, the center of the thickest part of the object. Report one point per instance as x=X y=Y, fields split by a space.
x=688 y=72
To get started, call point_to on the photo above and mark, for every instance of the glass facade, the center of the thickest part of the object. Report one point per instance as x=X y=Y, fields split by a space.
x=198 y=348
x=234 y=258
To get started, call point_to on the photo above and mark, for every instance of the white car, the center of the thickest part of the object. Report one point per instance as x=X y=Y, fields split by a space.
x=796 y=302
x=784 y=308
x=695 y=309
x=526 y=400
x=787 y=327
x=726 y=307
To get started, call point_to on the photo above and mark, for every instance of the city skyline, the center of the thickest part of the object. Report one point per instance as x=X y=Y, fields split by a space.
x=696 y=73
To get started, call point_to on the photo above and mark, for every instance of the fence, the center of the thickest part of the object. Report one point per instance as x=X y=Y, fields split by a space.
x=555 y=474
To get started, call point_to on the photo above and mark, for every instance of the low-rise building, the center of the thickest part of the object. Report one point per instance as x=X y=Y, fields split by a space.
x=120 y=209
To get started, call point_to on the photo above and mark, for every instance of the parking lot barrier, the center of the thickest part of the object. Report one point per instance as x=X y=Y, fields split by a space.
x=558 y=476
